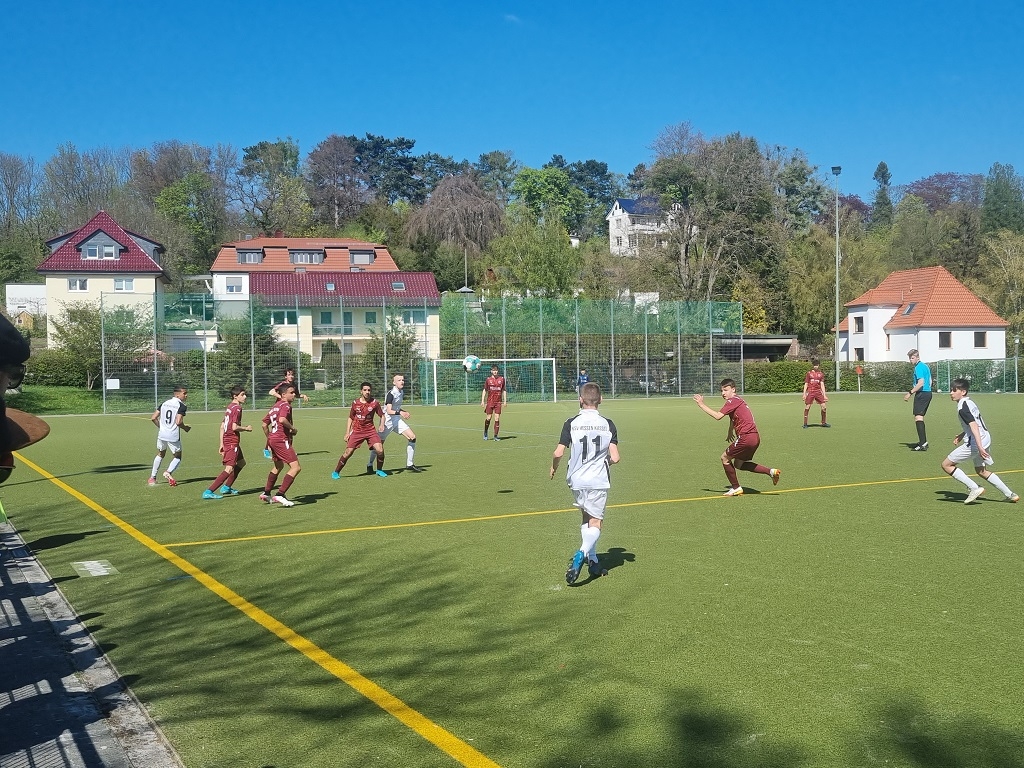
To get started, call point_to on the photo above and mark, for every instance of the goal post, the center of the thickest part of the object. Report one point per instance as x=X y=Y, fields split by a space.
x=527 y=380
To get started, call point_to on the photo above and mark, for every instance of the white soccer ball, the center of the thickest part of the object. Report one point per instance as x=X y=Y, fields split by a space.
x=471 y=363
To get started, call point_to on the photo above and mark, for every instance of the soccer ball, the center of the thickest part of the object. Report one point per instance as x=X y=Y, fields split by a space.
x=471 y=363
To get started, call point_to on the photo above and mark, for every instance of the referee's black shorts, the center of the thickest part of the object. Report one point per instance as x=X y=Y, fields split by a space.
x=921 y=402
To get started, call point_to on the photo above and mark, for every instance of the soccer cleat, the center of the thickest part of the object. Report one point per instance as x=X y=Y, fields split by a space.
x=486 y=437
x=922 y=446
x=227 y=490
x=369 y=469
x=267 y=498
x=1013 y=498
x=974 y=494
x=575 y=566
x=734 y=492
x=208 y=494
x=497 y=438
x=335 y=476
x=805 y=426
x=596 y=569
x=826 y=425
x=151 y=482
x=413 y=468
x=380 y=473
x=267 y=454
x=170 y=480
x=284 y=502
x=776 y=476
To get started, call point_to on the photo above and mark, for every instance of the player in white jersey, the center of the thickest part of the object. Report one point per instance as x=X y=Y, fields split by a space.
x=169 y=420
x=394 y=421
x=593 y=445
x=973 y=441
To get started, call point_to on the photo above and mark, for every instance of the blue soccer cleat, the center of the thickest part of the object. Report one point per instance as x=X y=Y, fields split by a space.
x=335 y=476
x=227 y=490
x=208 y=494
x=267 y=454
x=575 y=566
x=381 y=473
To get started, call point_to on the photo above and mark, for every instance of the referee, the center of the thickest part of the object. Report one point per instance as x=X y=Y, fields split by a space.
x=922 y=392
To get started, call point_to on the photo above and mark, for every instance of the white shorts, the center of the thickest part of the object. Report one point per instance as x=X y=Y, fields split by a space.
x=591 y=501
x=963 y=452
x=393 y=424
x=163 y=445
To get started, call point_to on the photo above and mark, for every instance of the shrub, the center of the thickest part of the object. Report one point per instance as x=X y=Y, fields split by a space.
x=54 y=368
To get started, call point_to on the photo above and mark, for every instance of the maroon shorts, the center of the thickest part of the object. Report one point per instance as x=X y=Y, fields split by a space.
x=283 y=451
x=493 y=408
x=358 y=438
x=818 y=397
x=232 y=455
x=744 y=447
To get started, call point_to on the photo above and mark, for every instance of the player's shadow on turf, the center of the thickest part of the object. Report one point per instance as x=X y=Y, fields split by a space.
x=746 y=491
x=911 y=446
x=312 y=498
x=311 y=453
x=955 y=497
x=120 y=468
x=616 y=557
x=58 y=540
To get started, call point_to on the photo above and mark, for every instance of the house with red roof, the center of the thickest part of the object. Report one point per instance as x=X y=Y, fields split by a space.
x=924 y=309
x=326 y=289
x=102 y=262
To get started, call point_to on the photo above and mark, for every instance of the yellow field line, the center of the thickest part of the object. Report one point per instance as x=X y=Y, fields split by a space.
x=448 y=743
x=513 y=515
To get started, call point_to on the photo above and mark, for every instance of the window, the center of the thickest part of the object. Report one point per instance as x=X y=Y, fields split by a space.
x=410 y=316
x=361 y=257
x=330 y=286
x=633 y=241
x=346 y=321
x=126 y=284
x=306 y=257
x=109 y=252
x=396 y=286
x=250 y=257
x=325 y=318
x=858 y=352
x=284 y=317
x=618 y=242
x=945 y=339
x=370 y=318
x=78 y=284
x=858 y=325
x=346 y=348
x=910 y=308
x=233 y=285
x=980 y=339
x=888 y=341
x=92 y=252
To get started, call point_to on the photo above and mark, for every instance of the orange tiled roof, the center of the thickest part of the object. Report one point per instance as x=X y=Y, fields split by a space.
x=939 y=299
x=336 y=250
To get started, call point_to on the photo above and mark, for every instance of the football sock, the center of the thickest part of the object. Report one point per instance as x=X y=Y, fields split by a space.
x=496 y=427
x=410 y=451
x=730 y=473
x=156 y=465
x=380 y=460
x=286 y=484
x=823 y=419
x=921 y=438
x=222 y=479
x=373 y=458
x=487 y=425
x=749 y=466
x=271 y=482
x=959 y=474
x=807 y=410
x=994 y=479
x=341 y=464
x=590 y=536
x=173 y=466
x=234 y=476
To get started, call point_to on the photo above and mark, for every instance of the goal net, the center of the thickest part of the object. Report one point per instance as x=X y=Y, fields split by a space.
x=445 y=382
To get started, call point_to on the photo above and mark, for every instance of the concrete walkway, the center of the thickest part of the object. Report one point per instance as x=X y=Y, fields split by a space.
x=62 y=703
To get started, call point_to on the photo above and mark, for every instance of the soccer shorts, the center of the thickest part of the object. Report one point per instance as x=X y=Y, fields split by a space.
x=494 y=408
x=283 y=451
x=232 y=455
x=358 y=438
x=818 y=397
x=591 y=501
x=173 y=445
x=744 y=447
x=921 y=402
x=394 y=424
x=963 y=452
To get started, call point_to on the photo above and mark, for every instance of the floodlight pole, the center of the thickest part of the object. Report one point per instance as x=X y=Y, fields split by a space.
x=836 y=170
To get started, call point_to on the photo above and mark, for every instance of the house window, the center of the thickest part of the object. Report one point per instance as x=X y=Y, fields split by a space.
x=306 y=257
x=370 y=318
x=858 y=325
x=361 y=257
x=284 y=317
x=618 y=242
x=633 y=241
x=858 y=353
x=325 y=318
x=980 y=339
x=910 y=308
x=330 y=286
x=78 y=284
x=945 y=339
x=109 y=252
x=410 y=316
x=233 y=285
x=346 y=322
x=126 y=284
x=92 y=252
x=346 y=348
x=398 y=286
x=250 y=257
x=888 y=341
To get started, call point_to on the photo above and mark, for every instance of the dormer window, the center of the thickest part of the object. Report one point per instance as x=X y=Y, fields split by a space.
x=361 y=257
x=92 y=252
x=306 y=257
x=109 y=252
x=250 y=257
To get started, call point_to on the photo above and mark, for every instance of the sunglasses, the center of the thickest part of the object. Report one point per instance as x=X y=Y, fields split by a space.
x=15 y=374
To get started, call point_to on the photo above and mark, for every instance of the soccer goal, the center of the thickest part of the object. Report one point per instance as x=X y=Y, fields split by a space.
x=527 y=380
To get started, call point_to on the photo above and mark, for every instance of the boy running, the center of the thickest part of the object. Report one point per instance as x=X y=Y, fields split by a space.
x=814 y=391
x=360 y=428
x=973 y=441
x=593 y=445
x=394 y=421
x=230 y=448
x=742 y=437
x=169 y=418
x=278 y=428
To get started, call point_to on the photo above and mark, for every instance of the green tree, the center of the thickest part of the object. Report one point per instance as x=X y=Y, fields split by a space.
x=882 y=210
x=1002 y=265
x=497 y=172
x=192 y=204
x=535 y=257
x=269 y=188
x=84 y=333
x=960 y=251
x=549 y=192
x=1003 y=205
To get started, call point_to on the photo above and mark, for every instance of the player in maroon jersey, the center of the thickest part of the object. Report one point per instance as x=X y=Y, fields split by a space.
x=230 y=448
x=360 y=428
x=814 y=391
x=492 y=400
x=278 y=428
x=742 y=437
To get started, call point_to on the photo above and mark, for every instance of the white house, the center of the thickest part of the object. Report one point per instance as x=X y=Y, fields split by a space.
x=924 y=309
x=26 y=297
x=634 y=222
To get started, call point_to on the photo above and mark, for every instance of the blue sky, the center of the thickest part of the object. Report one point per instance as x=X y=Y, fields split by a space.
x=927 y=87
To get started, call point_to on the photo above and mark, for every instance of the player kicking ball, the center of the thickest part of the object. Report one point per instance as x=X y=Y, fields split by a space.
x=973 y=441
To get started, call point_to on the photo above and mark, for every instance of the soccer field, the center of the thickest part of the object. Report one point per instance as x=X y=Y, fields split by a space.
x=857 y=614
